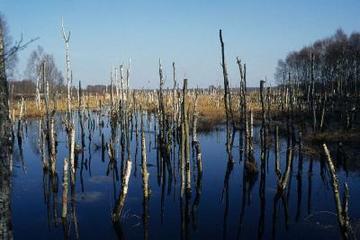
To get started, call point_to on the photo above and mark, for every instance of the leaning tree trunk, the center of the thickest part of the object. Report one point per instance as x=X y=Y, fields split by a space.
x=341 y=207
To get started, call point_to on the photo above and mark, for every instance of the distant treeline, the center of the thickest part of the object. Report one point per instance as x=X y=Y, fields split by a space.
x=331 y=64
x=27 y=88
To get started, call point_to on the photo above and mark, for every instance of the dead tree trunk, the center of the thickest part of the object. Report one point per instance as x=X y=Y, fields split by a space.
x=262 y=99
x=123 y=193
x=312 y=96
x=242 y=109
x=322 y=119
x=5 y=154
x=69 y=125
x=38 y=98
x=162 y=112
x=341 y=208
x=268 y=98
x=67 y=68
x=144 y=171
x=46 y=93
x=227 y=97
x=4 y=89
x=185 y=151
x=5 y=189
x=174 y=103
x=52 y=145
x=195 y=119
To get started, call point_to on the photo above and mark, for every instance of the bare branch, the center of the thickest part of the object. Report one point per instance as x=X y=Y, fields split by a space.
x=18 y=47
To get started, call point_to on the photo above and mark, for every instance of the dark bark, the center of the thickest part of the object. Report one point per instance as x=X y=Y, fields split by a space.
x=5 y=155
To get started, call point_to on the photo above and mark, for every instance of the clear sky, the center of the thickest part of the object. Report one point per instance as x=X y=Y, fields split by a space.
x=109 y=32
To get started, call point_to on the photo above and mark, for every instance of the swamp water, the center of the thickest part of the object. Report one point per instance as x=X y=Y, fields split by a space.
x=223 y=203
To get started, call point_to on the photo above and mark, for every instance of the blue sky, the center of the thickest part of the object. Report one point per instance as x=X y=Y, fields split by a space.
x=109 y=32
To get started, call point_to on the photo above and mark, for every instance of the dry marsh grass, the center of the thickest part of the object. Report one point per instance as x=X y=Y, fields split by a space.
x=210 y=108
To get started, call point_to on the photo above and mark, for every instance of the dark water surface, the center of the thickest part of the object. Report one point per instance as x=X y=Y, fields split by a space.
x=223 y=204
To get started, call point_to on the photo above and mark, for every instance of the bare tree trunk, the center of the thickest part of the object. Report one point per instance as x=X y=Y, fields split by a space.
x=341 y=208
x=262 y=99
x=145 y=173
x=162 y=113
x=227 y=97
x=174 y=103
x=111 y=92
x=70 y=129
x=195 y=118
x=5 y=185
x=122 y=86
x=67 y=68
x=4 y=89
x=184 y=147
x=312 y=96
x=38 y=98
x=5 y=154
x=123 y=193
x=46 y=92
x=5 y=190
x=268 y=97
x=243 y=124
x=323 y=112
x=117 y=85
x=52 y=145
x=251 y=132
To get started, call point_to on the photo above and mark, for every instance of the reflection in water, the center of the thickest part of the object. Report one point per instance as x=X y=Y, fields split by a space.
x=50 y=188
x=20 y=135
x=284 y=184
x=249 y=180
x=225 y=192
x=198 y=187
x=342 y=158
x=261 y=224
x=299 y=180
x=73 y=216
x=270 y=200
x=309 y=193
x=145 y=182
x=275 y=212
